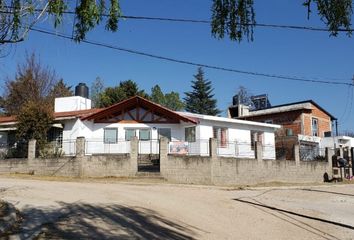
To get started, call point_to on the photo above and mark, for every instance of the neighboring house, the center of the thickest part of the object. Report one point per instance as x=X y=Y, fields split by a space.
x=304 y=123
x=109 y=130
x=345 y=143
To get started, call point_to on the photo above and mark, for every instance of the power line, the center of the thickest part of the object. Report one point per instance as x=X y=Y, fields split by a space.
x=290 y=78
x=196 y=21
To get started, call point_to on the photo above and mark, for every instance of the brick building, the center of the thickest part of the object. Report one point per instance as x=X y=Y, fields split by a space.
x=303 y=123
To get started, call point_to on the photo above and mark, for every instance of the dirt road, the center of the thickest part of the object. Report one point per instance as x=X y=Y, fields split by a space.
x=117 y=210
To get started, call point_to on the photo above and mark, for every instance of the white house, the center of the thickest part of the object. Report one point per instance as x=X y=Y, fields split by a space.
x=109 y=130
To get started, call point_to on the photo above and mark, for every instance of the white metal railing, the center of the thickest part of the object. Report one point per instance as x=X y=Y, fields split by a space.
x=235 y=149
x=98 y=146
x=149 y=146
x=199 y=147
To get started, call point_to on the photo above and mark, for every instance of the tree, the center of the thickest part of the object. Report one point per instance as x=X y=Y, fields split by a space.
x=244 y=96
x=173 y=101
x=235 y=18
x=96 y=89
x=124 y=90
x=157 y=95
x=200 y=99
x=60 y=89
x=17 y=17
x=34 y=121
x=170 y=100
x=32 y=82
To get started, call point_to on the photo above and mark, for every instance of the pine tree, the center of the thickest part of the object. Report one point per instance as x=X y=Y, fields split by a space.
x=157 y=95
x=201 y=99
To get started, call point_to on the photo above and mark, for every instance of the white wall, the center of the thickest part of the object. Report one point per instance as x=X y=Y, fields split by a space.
x=239 y=137
x=75 y=103
x=337 y=140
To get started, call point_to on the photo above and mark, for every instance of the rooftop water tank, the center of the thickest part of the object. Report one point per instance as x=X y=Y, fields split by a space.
x=82 y=90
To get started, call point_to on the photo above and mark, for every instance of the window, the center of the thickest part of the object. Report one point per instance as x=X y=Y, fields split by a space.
x=314 y=127
x=164 y=132
x=129 y=134
x=55 y=135
x=256 y=136
x=270 y=121
x=189 y=134
x=110 y=135
x=144 y=134
x=221 y=135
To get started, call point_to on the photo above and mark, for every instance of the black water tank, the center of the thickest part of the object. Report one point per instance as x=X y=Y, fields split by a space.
x=82 y=90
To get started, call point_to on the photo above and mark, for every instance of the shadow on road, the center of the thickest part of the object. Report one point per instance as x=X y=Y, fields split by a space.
x=86 y=221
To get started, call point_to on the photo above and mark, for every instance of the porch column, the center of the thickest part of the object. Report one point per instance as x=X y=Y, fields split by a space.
x=134 y=149
x=31 y=151
x=297 y=154
x=259 y=151
x=163 y=156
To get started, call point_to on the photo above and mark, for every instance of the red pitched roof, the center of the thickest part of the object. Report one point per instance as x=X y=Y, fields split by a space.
x=138 y=101
x=7 y=119
x=78 y=114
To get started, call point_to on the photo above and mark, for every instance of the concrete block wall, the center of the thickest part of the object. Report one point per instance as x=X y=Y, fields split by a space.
x=188 y=169
x=118 y=165
x=175 y=168
x=106 y=166
x=67 y=167
x=231 y=171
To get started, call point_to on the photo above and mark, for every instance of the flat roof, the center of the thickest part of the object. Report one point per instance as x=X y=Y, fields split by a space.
x=289 y=107
x=228 y=120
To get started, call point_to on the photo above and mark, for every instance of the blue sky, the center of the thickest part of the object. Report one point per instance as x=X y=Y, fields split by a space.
x=284 y=52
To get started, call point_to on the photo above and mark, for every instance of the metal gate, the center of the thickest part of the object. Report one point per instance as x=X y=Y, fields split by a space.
x=149 y=156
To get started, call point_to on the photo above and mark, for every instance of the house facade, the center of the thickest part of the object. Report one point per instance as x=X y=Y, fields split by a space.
x=304 y=123
x=111 y=129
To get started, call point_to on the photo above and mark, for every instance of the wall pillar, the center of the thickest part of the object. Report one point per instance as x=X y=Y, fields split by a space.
x=164 y=156
x=259 y=151
x=80 y=146
x=297 y=154
x=134 y=150
x=80 y=154
x=31 y=151
x=329 y=156
x=214 y=161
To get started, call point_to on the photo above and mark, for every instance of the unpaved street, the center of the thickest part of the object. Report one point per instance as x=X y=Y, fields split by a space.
x=120 y=210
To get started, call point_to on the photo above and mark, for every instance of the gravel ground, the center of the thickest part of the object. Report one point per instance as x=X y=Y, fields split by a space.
x=132 y=210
